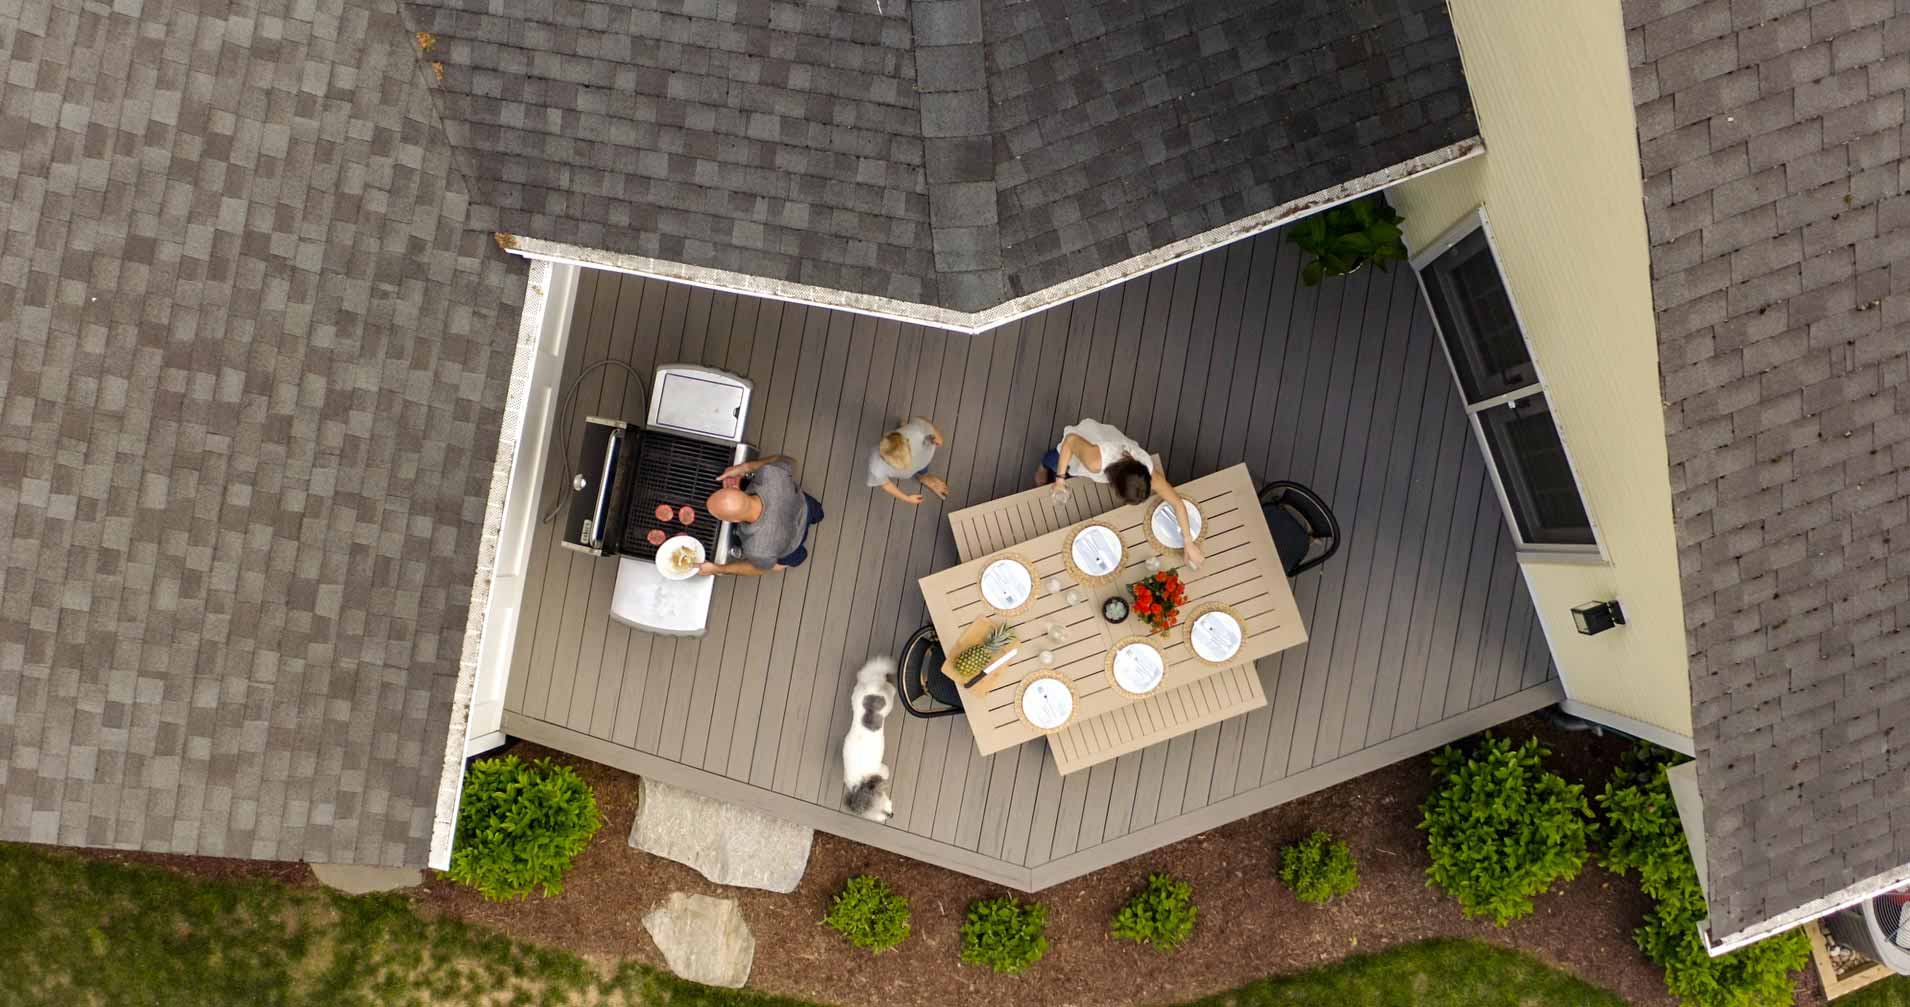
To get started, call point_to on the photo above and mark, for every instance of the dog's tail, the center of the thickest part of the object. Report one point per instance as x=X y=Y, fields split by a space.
x=876 y=671
x=861 y=797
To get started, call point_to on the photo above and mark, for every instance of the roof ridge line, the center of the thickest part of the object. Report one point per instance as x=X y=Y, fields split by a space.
x=958 y=144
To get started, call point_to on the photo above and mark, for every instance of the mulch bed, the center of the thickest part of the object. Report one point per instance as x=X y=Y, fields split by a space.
x=1250 y=925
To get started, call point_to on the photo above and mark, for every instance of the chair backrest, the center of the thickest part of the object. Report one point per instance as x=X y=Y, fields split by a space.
x=919 y=676
x=1293 y=502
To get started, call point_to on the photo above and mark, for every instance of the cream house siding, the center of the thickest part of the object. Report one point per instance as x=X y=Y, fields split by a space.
x=1560 y=186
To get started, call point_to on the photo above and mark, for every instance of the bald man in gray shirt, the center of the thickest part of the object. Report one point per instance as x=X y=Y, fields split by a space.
x=771 y=515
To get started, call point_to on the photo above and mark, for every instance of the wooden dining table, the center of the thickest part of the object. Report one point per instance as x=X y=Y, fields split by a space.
x=1240 y=571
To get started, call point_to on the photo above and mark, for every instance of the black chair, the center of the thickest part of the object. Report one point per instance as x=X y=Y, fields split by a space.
x=918 y=676
x=1299 y=519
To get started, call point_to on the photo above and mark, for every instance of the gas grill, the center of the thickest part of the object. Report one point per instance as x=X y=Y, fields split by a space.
x=624 y=471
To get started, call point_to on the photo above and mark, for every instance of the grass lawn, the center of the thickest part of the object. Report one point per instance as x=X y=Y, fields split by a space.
x=84 y=932
x=1891 y=992
x=1435 y=973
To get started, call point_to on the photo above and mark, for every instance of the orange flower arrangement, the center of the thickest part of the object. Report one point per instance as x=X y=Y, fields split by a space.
x=1157 y=599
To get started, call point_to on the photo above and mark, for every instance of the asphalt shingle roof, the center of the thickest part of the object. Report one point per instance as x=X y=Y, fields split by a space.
x=1771 y=134
x=254 y=348
x=1124 y=126
x=942 y=152
x=258 y=338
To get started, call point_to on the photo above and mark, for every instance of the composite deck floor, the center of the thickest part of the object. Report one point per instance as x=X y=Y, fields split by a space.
x=1421 y=627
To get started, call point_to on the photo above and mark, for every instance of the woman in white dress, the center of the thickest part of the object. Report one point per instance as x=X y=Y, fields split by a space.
x=1095 y=450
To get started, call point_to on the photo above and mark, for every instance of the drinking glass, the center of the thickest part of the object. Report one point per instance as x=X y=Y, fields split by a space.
x=1047 y=658
x=1054 y=585
x=1076 y=596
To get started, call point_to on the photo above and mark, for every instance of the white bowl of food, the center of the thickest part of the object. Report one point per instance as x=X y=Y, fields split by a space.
x=678 y=557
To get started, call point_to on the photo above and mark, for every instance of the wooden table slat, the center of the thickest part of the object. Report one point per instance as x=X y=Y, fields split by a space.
x=1242 y=691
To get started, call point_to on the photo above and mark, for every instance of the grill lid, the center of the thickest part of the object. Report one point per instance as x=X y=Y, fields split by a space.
x=697 y=400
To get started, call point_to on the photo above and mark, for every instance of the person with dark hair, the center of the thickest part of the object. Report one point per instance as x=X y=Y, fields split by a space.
x=1095 y=450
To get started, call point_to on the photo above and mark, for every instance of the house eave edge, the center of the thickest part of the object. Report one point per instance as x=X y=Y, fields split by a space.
x=451 y=779
x=1684 y=790
x=973 y=322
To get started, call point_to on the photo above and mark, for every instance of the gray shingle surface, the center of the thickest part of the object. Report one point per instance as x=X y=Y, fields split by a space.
x=809 y=142
x=1125 y=125
x=1771 y=135
x=256 y=343
x=775 y=139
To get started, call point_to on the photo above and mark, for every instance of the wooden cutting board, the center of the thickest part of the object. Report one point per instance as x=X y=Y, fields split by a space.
x=974 y=634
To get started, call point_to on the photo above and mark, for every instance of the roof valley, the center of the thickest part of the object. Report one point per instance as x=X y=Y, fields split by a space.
x=945 y=157
x=958 y=153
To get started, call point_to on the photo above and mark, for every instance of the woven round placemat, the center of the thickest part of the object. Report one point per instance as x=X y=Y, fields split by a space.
x=1108 y=665
x=1082 y=576
x=1147 y=526
x=1022 y=712
x=1034 y=583
x=1202 y=609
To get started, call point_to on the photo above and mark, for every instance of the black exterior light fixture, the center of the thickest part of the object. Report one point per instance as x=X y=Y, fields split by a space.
x=1595 y=617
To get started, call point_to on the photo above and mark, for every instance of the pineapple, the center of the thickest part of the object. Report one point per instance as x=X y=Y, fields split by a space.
x=969 y=663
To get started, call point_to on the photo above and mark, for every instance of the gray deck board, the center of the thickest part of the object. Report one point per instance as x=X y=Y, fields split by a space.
x=1344 y=448
x=1421 y=627
x=1384 y=492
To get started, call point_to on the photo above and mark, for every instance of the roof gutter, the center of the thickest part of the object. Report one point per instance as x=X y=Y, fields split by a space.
x=973 y=322
x=1843 y=898
x=1684 y=790
x=531 y=324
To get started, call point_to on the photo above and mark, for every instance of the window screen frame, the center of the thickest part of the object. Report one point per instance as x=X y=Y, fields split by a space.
x=1472 y=222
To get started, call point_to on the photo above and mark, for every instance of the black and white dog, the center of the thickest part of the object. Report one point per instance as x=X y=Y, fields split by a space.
x=865 y=777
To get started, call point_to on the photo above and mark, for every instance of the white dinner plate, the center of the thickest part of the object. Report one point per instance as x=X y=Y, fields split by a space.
x=1096 y=550
x=669 y=548
x=1138 y=669
x=1215 y=636
x=1047 y=703
x=1006 y=585
x=1167 y=524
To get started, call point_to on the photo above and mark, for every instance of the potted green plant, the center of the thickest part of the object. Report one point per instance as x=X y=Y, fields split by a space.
x=1349 y=236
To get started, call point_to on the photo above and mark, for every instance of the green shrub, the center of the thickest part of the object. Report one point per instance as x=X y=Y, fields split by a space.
x=1500 y=829
x=1319 y=869
x=519 y=827
x=869 y=914
x=1346 y=237
x=1161 y=914
x=1642 y=833
x=1004 y=934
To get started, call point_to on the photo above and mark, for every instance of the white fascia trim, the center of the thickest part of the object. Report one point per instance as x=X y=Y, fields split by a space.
x=1842 y=898
x=549 y=292
x=481 y=743
x=1630 y=725
x=1683 y=780
x=972 y=322
x=1684 y=790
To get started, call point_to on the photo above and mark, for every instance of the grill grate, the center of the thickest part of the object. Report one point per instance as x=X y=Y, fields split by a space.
x=675 y=470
